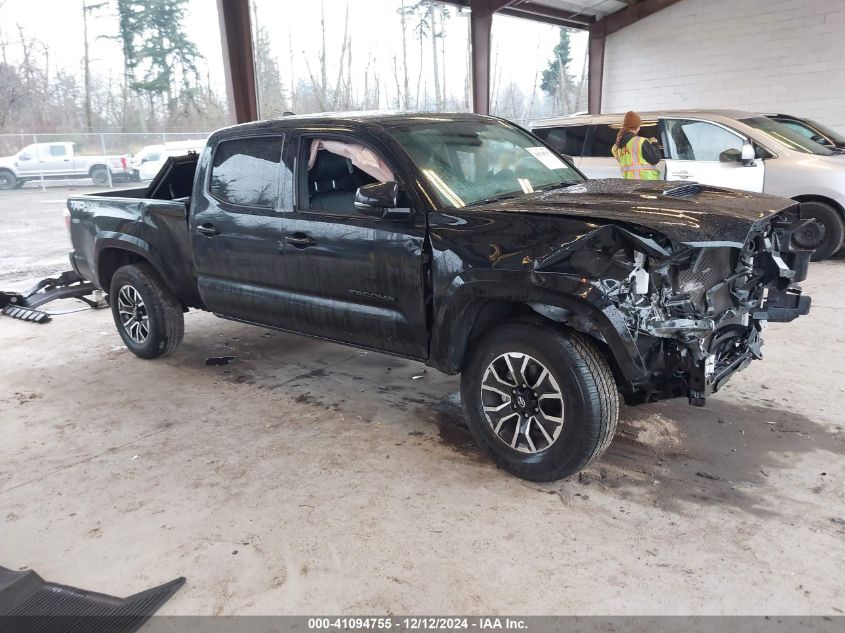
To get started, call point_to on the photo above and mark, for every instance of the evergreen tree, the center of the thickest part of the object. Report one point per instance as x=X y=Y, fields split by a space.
x=557 y=82
x=158 y=57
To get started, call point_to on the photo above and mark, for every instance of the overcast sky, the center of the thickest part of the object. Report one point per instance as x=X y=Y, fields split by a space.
x=520 y=48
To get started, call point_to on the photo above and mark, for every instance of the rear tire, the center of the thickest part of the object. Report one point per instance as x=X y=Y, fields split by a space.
x=148 y=316
x=832 y=228
x=564 y=377
x=7 y=180
x=100 y=176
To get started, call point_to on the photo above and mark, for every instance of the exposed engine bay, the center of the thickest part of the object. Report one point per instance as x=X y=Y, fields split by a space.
x=695 y=311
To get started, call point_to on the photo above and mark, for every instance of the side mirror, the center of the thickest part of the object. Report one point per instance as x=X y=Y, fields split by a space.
x=24 y=157
x=748 y=153
x=377 y=195
x=144 y=160
x=380 y=199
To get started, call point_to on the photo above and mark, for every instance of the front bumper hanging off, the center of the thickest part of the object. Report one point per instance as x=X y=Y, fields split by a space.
x=68 y=285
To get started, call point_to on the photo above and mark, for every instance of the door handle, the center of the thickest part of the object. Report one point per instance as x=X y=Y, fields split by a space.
x=683 y=175
x=300 y=240
x=208 y=230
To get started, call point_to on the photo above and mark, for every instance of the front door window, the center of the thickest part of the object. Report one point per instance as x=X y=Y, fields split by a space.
x=336 y=169
x=699 y=140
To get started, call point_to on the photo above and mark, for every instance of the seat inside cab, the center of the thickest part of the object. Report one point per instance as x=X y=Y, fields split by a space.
x=333 y=181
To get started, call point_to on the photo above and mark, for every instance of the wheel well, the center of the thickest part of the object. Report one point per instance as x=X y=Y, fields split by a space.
x=823 y=200
x=96 y=167
x=490 y=314
x=110 y=260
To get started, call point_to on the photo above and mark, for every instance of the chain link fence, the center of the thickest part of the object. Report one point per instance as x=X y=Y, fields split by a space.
x=107 y=159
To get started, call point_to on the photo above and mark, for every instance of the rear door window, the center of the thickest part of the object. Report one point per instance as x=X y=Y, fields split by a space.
x=58 y=150
x=567 y=140
x=245 y=172
x=604 y=136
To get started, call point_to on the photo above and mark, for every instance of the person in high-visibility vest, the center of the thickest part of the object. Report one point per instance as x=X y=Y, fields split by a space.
x=636 y=155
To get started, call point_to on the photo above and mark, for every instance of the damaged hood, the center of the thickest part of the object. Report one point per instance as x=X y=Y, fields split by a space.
x=712 y=215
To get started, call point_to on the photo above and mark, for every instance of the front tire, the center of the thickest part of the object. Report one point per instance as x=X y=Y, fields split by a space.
x=541 y=401
x=830 y=225
x=148 y=316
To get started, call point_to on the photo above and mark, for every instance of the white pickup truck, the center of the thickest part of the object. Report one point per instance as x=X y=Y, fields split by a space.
x=147 y=162
x=58 y=160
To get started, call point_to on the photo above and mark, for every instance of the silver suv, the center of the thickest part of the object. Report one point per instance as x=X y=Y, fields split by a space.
x=726 y=148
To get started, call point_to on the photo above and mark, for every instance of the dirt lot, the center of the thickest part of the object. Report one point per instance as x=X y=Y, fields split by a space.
x=306 y=477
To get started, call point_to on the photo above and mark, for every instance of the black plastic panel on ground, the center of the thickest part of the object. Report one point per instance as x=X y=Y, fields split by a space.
x=28 y=604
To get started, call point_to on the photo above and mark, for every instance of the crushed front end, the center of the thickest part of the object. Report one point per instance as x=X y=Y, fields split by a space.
x=698 y=311
x=693 y=312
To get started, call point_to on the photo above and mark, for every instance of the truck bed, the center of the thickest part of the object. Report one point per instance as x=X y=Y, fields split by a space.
x=151 y=222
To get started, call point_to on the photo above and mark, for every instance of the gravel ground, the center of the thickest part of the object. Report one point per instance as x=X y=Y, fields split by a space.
x=33 y=240
x=306 y=477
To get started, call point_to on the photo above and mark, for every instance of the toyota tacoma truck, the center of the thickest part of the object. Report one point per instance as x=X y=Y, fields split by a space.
x=53 y=161
x=464 y=242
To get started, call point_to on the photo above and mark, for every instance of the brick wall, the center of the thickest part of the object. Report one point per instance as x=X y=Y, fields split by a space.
x=760 y=55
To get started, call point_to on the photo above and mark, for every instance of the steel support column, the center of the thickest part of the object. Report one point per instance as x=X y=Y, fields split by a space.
x=238 y=64
x=595 y=70
x=480 y=23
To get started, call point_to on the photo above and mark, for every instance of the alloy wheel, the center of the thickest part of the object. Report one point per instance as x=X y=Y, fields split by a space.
x=522 y=402
x=133 y=314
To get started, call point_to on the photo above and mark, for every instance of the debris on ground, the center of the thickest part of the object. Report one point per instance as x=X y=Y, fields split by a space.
x=68 y=285
x=33 y=604
x=711 y=476
x=219 y=361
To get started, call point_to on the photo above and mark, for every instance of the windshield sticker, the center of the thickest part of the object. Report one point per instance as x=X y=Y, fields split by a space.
x=526 y=185
x=546 y=157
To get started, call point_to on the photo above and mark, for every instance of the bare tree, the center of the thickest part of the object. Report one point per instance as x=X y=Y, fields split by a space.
x=344 y=49
x=428 y=12
x=438 y=95
x=87 y=9
x=405 y=93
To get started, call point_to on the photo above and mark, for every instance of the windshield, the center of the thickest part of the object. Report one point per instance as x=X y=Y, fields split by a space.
x=469 y=162
x=786 y=136
x=834 y=136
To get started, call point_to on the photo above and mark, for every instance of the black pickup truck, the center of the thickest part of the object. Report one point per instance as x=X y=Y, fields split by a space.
x=464 y=242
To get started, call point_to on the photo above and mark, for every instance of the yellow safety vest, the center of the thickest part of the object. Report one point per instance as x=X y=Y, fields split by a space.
x=632 y=163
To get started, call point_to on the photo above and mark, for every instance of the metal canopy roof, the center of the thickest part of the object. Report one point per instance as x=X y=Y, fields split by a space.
x=594 y=8
x=578 y=14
